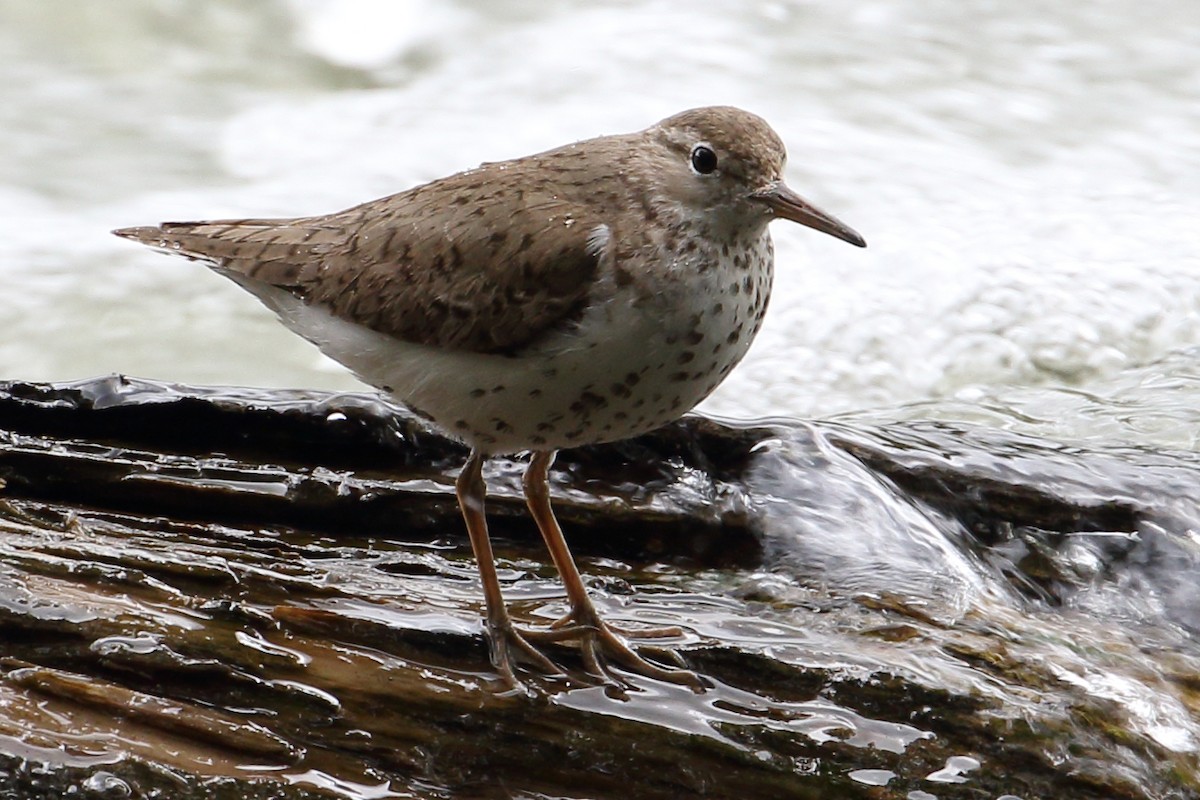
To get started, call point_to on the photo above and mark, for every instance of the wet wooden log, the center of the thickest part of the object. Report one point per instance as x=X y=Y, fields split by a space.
x=219 y=593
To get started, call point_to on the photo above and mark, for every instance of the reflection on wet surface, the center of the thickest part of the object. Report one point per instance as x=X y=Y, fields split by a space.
x=928 y=628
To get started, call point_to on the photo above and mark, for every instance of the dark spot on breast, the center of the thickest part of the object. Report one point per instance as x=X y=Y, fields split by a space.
x=693 y=338
x=498 y=237
x=422 y=414
x=535 y=439
x=502 y=426
x=588 y=402
x=734 y=335
x=632 y=379
x=546 y=427
x=620 y=390
x=476 y=393
x=535 y=392
x=497 y=389
x=676 y=377
x=685 y=357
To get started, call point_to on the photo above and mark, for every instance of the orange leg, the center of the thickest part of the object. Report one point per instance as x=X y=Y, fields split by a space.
x=583 y=623
x=503 y=637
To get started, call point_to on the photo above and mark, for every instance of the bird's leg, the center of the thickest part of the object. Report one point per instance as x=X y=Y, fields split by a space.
x=583 y=623
x=501 y=634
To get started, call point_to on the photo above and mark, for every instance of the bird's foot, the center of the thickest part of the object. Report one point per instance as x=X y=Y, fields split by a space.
x=599 y=641
x=508 y=645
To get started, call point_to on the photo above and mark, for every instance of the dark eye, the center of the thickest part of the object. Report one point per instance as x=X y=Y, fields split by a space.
x=704 y=160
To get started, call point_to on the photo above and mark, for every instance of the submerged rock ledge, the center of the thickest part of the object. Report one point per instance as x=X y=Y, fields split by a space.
x=240 y=593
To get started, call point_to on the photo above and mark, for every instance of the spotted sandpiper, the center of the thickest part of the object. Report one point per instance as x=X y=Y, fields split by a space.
x=582 y=295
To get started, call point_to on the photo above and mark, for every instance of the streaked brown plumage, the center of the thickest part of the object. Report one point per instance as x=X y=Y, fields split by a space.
x=581 y=295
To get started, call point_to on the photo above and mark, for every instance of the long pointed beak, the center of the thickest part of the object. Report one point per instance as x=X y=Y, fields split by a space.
x=789 y=205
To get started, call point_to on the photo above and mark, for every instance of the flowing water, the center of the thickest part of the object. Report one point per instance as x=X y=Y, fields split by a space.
x=1027 y=176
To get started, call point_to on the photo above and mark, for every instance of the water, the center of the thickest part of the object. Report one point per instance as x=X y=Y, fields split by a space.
x=1027 y=176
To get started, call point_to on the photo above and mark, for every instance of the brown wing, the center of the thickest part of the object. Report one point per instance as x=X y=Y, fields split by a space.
x=485 y=260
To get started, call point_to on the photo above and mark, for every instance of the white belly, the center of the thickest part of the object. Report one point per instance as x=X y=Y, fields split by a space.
x=629 y=367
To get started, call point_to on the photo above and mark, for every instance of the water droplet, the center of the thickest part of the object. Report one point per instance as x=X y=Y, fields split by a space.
x=106 y=785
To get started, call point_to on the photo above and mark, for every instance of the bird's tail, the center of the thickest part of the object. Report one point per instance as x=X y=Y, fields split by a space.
x=274 y=251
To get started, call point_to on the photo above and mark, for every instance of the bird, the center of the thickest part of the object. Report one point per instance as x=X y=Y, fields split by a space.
x=585 y=294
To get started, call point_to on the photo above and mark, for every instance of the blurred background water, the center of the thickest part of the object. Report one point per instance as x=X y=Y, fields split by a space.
x=1027 y=175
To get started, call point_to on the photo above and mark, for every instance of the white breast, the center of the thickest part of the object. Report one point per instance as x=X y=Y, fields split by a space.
x=634 y=362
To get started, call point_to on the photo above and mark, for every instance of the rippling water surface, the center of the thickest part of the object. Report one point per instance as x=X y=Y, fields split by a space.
x=1026 y=175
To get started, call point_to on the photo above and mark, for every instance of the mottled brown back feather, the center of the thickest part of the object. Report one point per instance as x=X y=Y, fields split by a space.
x=414 y=265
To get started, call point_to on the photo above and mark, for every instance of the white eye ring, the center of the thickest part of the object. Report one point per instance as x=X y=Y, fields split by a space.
x=703 y=160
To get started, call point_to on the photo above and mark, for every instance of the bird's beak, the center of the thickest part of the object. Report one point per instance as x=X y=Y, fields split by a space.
x=789 y=205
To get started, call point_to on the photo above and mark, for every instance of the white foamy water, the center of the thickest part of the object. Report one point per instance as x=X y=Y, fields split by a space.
x=1027 y=176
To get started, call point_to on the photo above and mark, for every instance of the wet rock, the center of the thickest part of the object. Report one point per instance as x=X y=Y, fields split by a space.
x=215 y=593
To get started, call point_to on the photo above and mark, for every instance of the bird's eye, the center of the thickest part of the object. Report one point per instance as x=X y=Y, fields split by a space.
x=704 y=160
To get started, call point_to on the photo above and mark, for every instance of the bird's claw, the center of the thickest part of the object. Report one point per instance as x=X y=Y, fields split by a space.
x=507 y=645
x=599 y=643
